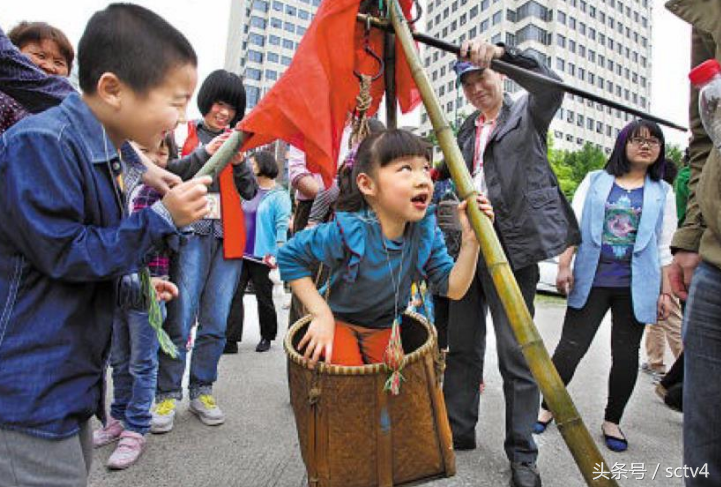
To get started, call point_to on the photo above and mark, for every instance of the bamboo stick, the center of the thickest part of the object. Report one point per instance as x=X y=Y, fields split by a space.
x=577 y=437
x=223 y=155
x=511 y=71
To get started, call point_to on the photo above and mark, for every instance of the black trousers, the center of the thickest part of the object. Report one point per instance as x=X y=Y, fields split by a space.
x=579 y=328
x=259 y=274
x=464 y=364
x=441 y=311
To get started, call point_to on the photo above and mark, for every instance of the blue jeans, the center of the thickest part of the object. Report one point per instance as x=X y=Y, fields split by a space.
x=702 y=377
x=134 y=359
x=207 y=282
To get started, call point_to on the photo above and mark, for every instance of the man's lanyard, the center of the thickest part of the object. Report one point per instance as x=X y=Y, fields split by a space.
x=483 y=134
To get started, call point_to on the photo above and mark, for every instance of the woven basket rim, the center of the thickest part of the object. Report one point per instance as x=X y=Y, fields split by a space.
x=368 y=369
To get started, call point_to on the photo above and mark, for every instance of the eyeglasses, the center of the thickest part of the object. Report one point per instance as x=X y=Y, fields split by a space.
x=639 y=141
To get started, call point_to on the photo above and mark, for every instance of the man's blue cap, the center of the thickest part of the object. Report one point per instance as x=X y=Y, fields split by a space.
x=463 y=67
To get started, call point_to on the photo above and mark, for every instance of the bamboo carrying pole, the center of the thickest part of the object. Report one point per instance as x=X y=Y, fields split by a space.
x=577 y=437
x=511 y=71
x=223 y=155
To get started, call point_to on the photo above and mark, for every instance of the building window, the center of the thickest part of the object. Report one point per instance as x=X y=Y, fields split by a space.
x=277 y=6
x=560 y=40
x=560 y=64
x=303 y=14
x=285 y=60
x=276 y=23
x=532 y=33
x=274 y=40
x=254 y=74
x=496 y=18
x=287 y=43
x=253 y=95
x=273 y=57
x=562 y=17
x=572 y=46
x=256 y=39
x=260 y=5
x=257 y=22
x=531 y=9
x=255 y=56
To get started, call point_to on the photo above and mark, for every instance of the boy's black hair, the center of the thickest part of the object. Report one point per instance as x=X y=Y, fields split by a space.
x=222 y=85
x=618 y=164
x=377 y=150
x=267 y=165
x=135 y=44
x=27 y=32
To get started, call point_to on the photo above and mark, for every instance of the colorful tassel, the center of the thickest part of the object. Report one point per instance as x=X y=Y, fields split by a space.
x=394 y=358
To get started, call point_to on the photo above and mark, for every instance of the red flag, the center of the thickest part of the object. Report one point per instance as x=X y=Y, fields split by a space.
x=308 y=106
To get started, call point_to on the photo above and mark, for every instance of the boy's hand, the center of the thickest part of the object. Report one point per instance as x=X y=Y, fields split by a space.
x=187 y=202
x=484 y=205
x=158 y=178
x=165 y=290
x=319 y=339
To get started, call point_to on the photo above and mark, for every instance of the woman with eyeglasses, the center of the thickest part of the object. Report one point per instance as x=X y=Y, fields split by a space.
x=627 y=215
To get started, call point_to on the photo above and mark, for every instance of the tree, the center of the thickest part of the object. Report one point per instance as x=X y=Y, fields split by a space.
x=572 y=167
x=675 y=153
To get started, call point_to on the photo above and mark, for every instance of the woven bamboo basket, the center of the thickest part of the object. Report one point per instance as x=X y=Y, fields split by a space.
x=353 y=433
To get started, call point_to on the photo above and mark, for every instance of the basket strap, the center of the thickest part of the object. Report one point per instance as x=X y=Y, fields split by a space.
x=312 y=450
x=443 y=427
x=384 y=435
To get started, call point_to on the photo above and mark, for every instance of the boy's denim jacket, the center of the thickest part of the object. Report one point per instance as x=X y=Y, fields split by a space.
x=63 y=245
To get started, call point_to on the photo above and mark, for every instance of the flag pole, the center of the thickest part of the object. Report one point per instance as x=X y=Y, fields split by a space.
x=577 y=437
x=516 y=71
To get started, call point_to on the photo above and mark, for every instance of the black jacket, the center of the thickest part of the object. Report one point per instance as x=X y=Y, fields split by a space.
x=533 y=219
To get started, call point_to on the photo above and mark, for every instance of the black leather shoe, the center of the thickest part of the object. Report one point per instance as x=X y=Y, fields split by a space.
x=525 y=474
x=464 y=444
x=231 y=348
x=263 y=346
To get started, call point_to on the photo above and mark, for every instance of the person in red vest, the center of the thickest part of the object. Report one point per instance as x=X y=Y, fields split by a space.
x=208 y=264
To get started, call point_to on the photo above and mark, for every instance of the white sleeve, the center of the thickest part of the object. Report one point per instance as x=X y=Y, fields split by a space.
x=670 y=222
x=579 y=197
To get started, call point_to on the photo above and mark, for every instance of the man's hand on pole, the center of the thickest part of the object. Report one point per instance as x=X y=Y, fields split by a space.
x=480 y=52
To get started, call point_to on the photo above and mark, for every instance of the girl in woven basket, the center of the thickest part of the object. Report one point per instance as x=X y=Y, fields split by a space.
x=383 y=239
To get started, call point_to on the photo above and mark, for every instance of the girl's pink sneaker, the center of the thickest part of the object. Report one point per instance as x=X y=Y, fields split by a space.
x=110 y=433
x=129 y=449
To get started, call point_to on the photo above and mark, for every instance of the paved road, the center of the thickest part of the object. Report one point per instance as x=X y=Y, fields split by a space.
x=258 y=446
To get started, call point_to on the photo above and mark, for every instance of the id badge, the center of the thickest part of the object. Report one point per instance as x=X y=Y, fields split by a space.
x=213 y=206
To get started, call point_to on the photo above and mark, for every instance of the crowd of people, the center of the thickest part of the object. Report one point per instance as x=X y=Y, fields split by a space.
x=115 y=257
